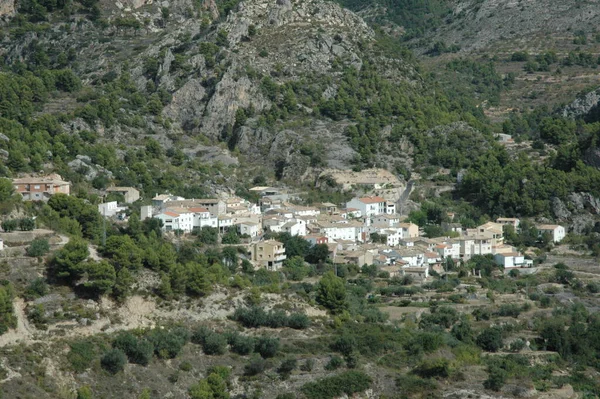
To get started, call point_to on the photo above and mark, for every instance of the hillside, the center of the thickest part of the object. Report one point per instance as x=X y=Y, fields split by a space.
x=457 y=112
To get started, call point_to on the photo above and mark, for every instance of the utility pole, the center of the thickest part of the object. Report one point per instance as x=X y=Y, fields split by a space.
x=104 y=226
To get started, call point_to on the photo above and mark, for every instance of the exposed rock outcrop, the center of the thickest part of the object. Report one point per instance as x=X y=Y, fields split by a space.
x=7 y=8
x=582 y=105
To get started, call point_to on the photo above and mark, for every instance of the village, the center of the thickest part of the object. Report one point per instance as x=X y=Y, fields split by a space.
x=366 y=230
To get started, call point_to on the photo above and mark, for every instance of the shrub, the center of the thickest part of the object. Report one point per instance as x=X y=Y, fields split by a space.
x=308 y=365
x=138 y=351
x=36 y=289
x=214 y=344
x=84 y=392
x=517 y=345
x=113 y=361
x=298 y=321
x=490 y=339
x=335 y=362
x=255 y=366
x=433 y=368
x=241 y=344
x=81 y=355
x=266 y=346
x=349 y=383
x=496 y=379
x=344 y=344
x=38 y=247
x=199 y=334
x=415 y=384
x=509 y=310
x=168 y=343
x=286 y=367
x=185 y=366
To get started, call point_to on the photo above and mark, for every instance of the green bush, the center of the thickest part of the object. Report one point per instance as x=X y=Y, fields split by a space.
x=113 y=361
x=496 y=379
x=308 y=365
x=490 y=339
x=240 y=344
x=84 y=392
x=412 y=384
x=286 y=367
x=267 y=346
x=36 y=289
x=335 y=362
x=81 y=355
x=168 y=343
x=255 y=366
x=214 y=344
x=298 y=321
x=138 y=351
x=433 y=368
x=349 y=383
x=38 y=247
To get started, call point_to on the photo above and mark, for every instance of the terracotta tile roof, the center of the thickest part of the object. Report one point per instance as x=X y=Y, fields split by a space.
x=198 y=210
x=371 y=200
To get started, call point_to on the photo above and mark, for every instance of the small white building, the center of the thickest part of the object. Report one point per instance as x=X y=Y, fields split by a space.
x=475 y=245
x=294 y=228
x=557 y=232
x=514 y=222
x=448 y=249
x=250 y=228
x=389 y=220
x=512 y=259
x=371 y=206
x=1 y=244
x=393 y=237
x=224 y=222
x=203 y=218
x=109 y=209
x=176 y=221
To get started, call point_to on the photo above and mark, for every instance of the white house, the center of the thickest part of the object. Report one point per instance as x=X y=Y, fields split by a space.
x=349 y=231
x=412 y=257
x=224 y=222
x=110 y=209
x=370 y=206
x=162 y=199
x=557 y=232
x=448 y=249
x=351 y=213
x=514 y=222
x=176 y=221
x=294 y=228
x=389 y=220
x=512 y=259
x=250 y=228
x=274 y=223
x=203 y=218
x=393 y=237
x=475 y=245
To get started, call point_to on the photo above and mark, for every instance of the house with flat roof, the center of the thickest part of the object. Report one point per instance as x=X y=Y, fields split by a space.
x=269 y=254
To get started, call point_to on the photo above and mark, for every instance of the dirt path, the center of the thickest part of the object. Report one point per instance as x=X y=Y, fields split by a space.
x=24 y=332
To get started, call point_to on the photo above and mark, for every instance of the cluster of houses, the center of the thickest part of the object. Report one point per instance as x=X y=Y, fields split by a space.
x=367 y=230
x=349 y=232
